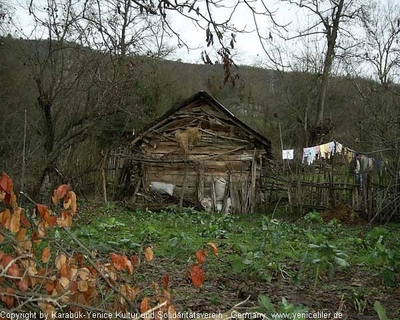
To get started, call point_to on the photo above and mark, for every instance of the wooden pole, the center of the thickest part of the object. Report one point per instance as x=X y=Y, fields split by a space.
x=183 y=186
x=253 y=182
x=104 y=175
x=24 y=156
x=280 y=136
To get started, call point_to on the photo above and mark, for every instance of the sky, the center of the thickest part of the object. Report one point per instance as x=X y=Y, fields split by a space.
x=247 y=47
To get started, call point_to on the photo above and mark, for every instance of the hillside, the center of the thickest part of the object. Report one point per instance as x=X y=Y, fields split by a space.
x=93 y=100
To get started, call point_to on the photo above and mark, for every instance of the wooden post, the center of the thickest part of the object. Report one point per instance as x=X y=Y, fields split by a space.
x=253 y=182
x=103 y=174
x=280 y=135
x=183 y=186
x=24 y=156
x=136 y=190
x=331 y=191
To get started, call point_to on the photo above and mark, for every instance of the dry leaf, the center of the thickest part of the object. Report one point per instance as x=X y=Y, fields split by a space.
x=8 y=297
x=73 y=272
x=135 y=260
x=50 y=285
x=148 y=253
x=145 y=305
x=65 y=270
x=84 y=273
x=48 y=309
x=6 y=259
x=197 y=275
x=72 y=196
x=201 y=255
x=172 y=313
x=55 y=199
x=14 y=271
x=129 y=291
x=66 y=219
x=6 y=184
x=23 y=284
x=213 y=248
x=21 y=234
x=62 y=190
x=15 y=220
x=11 y=199
x=64 y=282
x=46 y=254
x=60 y=261
x=83 y=286
x=24 y=220
x=119 y=261
x=43 y=211
x=67 y=203
x=36 y=237
x=165 y=281
x=6 y=219
x=129 y=266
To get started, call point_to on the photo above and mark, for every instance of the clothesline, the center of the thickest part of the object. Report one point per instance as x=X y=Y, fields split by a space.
x=323 y=151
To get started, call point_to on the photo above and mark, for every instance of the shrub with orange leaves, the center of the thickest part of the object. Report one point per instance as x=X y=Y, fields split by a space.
x=69 y=274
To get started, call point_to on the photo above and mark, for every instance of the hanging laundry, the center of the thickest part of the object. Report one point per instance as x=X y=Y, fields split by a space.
x=317 y=152
x=288 y=154
x=309 y=155
x=348 y=155
x=325 y=150
x=332 y=148
x=339 y=147
x=366 y=164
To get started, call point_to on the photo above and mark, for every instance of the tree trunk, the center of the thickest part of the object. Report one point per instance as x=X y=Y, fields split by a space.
x=320 y=129
x=45 y=104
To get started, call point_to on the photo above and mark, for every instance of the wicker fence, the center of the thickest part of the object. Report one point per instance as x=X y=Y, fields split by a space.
x=323 y=185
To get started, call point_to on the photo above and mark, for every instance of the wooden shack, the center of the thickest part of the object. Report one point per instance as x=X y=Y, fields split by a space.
x=199 y=153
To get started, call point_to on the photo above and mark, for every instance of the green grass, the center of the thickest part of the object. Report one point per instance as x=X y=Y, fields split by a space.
x=262 y=244
x=309 y=254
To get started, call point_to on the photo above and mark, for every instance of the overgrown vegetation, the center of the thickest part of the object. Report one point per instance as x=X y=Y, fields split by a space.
x=257 y=254
x=110 y=259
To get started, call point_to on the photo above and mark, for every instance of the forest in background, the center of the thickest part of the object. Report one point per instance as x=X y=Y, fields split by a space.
x=94 y=110
x=78 y=78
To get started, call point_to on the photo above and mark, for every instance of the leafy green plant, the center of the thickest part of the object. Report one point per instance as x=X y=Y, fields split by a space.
x=380 y=310
x=150 y=235
x=313 y=217
x=216 y=226
x=325 y=256
x=284 y=307
x=386 y=258
x=249 y=261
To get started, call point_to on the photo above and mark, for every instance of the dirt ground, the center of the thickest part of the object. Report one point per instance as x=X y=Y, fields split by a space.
x=221 y=293
x=343 y=214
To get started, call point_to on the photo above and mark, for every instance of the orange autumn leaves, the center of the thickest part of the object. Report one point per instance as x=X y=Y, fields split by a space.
x=6 y=190
x=64 y=193
x=16 y=221
x=76 y=279
x=122 y=263
x=196 y=271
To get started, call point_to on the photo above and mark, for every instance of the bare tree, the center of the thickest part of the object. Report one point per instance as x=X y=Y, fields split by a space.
x=64 y=76
x=379 y=58
x=381 y=42
x=6 y=12
x=326 y=21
